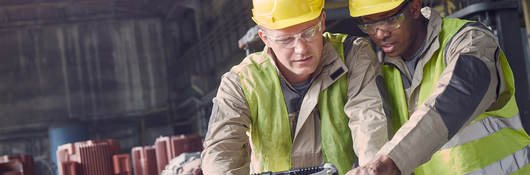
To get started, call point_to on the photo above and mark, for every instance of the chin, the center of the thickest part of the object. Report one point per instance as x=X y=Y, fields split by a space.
x=301 y=73
x=392 y=54
x=304 y=72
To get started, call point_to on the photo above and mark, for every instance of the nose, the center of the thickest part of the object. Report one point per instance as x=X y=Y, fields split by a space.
x=300 y=46
x=381 y=34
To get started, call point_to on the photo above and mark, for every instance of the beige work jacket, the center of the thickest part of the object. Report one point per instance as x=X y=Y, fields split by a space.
x=226 y=148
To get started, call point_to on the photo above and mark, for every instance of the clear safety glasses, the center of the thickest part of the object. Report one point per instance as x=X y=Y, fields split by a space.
x=388 y=24
x=289 y=41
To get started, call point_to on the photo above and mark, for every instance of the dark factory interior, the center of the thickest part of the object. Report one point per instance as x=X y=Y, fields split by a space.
x=132 y=76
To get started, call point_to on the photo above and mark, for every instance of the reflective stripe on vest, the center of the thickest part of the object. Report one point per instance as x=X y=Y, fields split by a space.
x=270 y=130
x=491 y=140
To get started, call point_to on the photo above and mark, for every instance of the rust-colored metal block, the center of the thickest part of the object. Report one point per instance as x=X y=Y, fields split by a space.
x=163 y=152
x=14 y=164
x=144 y=160
x=122 y=165
x=88 y=157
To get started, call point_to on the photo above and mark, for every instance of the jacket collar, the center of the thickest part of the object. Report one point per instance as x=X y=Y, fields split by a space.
x=330 y=69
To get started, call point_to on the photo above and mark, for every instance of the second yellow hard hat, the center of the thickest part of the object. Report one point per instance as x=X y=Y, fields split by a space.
x=367 y=7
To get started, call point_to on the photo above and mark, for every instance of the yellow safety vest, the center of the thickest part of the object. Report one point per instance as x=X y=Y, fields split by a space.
x=465 y=157
x=270 y=129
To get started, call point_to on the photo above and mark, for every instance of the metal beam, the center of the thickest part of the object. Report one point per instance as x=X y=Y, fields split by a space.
x=17 y=25
x=118 y=5
x=484 y=6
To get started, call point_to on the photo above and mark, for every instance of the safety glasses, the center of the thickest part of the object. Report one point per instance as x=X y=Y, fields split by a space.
x=289 y=41
x=388 y=24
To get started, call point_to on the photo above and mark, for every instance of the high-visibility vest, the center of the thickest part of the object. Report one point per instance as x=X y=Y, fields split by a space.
x=270 y=131
x=465 y=157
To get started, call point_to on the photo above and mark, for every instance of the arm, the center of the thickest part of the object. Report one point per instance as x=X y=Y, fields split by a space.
x=226 y=144
x=364 y=107
x=466 y=88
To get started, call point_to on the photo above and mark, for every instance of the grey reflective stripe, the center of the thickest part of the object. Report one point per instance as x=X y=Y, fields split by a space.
x=483 y=128
x=464 y=92
x=507 y=165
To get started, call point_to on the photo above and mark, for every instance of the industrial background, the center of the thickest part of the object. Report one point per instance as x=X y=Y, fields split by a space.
x=134 y=70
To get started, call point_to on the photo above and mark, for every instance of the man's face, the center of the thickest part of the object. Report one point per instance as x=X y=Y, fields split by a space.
x=391 y=30
x=298 y=48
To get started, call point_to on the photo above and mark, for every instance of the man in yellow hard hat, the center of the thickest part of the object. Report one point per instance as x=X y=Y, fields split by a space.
x=451 y=91
x=308 y=98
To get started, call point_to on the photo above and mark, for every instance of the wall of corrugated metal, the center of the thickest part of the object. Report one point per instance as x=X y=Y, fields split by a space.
x=87 y=70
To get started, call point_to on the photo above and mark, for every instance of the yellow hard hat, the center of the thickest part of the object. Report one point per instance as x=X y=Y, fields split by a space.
x=367 y=7
x=277 y=14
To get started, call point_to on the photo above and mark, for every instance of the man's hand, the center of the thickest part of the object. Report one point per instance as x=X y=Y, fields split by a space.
x=382 y=165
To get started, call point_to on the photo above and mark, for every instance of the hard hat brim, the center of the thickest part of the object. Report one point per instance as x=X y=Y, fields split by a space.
x=369 y=10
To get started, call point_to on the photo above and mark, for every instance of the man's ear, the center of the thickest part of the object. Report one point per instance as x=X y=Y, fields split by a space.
x=415 y=8
x=262 y=36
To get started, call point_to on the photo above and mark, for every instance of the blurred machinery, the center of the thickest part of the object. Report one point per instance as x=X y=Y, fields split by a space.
x=102 y=157
x=154 y=159
x=122 y=164
x=17 y=165
x=92 y=158
x=60 y=135
x=144 y=160
x=168 y=148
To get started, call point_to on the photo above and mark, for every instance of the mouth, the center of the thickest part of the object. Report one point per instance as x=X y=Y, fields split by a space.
x=388 y=47
x=303 y=59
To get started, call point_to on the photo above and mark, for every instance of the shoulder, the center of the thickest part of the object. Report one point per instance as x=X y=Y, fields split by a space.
x=475 y=33
x=232 y=77
x=361 y=55
x=253 y=59
x=361 y=43
x=359 y=48
x=473 y=38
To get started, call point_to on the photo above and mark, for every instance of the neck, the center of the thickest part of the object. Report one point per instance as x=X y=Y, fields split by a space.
x=293 y=78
